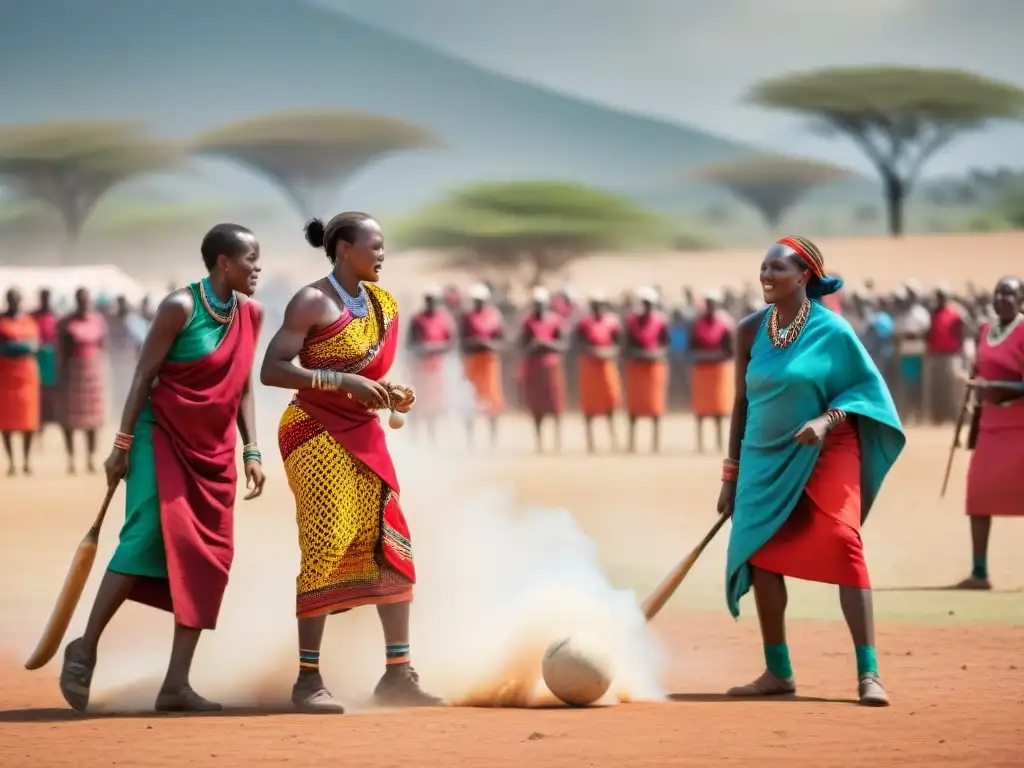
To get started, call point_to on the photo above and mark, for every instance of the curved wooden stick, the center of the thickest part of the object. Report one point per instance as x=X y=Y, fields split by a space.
x=675 y=577
x=71 y=592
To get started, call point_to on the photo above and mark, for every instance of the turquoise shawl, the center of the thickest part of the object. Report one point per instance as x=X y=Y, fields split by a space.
x=826 y=367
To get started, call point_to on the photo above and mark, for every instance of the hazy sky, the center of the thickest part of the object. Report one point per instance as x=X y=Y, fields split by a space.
x=694 y=60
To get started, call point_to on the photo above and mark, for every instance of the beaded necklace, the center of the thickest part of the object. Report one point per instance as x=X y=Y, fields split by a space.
x=221 y=311
x=784 y=337
x=997 y=336
x=357 y=305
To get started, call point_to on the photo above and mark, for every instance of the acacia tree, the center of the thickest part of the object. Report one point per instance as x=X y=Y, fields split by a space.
x=307 y=155
x=772 y=185
x=899 y=117
x=535 y=228
x=71 y=166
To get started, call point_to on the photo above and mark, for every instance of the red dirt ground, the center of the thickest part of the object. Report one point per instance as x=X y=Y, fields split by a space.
x=957 y=701
x=957 y=685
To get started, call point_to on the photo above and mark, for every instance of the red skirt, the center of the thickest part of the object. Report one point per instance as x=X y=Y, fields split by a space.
x=820 y=541
x=995 y=480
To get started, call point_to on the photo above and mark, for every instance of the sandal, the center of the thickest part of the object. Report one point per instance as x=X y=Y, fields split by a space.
x=76 y=676
x=185 y=700
x=766 y=685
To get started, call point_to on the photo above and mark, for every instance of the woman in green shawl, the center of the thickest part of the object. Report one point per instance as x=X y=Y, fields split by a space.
x=814 y=433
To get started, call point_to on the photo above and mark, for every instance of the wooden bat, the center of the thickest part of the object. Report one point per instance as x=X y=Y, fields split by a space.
x=964 y=408
x=71 y=592
x=671 y=583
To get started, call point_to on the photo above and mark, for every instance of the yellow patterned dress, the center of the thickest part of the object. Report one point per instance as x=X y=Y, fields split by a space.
x=353 y=538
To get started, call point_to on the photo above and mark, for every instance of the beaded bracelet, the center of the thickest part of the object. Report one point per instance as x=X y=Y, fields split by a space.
x=123 y=441
x=730 y=470
x=251 y=452
x=834 y=417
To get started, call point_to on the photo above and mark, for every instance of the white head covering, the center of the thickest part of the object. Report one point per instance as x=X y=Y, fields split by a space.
x=479 y=292
x=541 y=295
x=432 y=292
x=648 y=294
x=712 y=294
x=596 y=296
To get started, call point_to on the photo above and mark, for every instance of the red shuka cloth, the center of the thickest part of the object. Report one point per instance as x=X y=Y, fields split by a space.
x=361 y=433
x=820 y=541
x=194 y=439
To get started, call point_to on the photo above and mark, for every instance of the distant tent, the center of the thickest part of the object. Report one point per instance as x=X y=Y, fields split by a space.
x=102 y=281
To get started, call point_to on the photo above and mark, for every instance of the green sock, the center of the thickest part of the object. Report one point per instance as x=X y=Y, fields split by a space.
x=776 y=658
x=980 y=569
x=867 y=660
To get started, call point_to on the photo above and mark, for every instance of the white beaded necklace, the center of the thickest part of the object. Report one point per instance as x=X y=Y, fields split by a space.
x=358 y=305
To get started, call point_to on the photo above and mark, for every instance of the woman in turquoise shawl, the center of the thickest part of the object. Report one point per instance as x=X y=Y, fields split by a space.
x=814 y=433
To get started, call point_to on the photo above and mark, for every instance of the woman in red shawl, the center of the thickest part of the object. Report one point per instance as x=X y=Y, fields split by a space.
x=47 y=322
x=712 y=383
x=19 y=379
x=354 y=542
x=431 y=337
x=191 y=391
x=995 y=480
x=599 y=336
x=82 y=370
x=647 y=340
x=543 y=344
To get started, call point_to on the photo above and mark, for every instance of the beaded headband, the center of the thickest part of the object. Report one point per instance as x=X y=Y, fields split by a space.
x=807 y=251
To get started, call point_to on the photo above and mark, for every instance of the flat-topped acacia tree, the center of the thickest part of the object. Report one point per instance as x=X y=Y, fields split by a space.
x=308 y=155
x=771 y=184
x=531 y=228
x=71 y=166
x=898 y=116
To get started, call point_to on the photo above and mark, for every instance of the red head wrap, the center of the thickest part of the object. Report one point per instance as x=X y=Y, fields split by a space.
x=807 y=251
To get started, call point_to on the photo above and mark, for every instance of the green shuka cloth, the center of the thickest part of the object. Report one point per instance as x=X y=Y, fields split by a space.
x=140 y=551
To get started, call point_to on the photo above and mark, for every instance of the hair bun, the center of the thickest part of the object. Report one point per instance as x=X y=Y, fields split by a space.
x=823 y=286
x=315 y=233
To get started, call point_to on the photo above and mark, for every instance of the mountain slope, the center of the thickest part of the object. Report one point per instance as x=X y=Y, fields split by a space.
x=188 y=65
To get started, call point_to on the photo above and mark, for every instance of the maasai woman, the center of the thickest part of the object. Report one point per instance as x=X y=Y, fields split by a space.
x=191 y=390
x=19 y=380
x=995 y=480
x=711 y=371
x=482 y=339
x=353 y=537
x=814 y=432
x=647 y=341
x=599 y=336
x=943 y=360
x=46 y=319
x=82 y=368
x=542 y=341
x=431 y=335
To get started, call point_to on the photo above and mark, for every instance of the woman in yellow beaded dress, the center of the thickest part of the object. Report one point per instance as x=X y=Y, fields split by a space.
x=353 y=538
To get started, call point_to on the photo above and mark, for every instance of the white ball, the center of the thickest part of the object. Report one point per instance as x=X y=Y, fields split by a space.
x=396 y=420
x=577 y=672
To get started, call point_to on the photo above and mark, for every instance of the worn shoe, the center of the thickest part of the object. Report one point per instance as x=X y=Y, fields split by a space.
x=314 y=698
x=184 y=700
x=76 y=676
x=766 y=685
x=871 y=692
x=400 y=687
x=973 y=582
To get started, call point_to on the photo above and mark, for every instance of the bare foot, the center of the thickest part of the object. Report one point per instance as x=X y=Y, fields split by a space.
x=871 y=692
x=766 y=685
x=973 y=582
x=184 y=700
x=400 y=687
